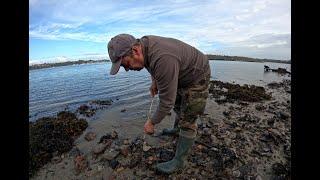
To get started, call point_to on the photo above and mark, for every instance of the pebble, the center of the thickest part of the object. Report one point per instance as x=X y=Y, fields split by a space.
x=110 y=155
x=114 y=135
x=100 y=148
x=100 y=167
x=80 y=163
x=113 y=163
x=56 y=159
x=90 y=136
x=126 y=142
x=124 y=149
x=146 y=147
x=258 y=177
x=120 y=169
x=74 y=152
x=236 y=173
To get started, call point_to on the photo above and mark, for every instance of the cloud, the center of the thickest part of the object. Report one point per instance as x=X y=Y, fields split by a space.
x=254 y=24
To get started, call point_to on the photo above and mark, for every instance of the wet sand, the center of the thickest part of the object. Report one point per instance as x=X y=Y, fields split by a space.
x=255 y=135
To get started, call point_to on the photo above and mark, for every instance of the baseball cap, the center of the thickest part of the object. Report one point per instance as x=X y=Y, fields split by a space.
x=117 y=47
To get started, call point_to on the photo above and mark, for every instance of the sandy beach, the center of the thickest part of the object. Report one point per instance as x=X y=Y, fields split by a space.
x=236 y=139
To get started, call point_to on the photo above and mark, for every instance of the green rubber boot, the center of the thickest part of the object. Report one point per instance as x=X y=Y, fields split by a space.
x=180 y=158
x=172 y=131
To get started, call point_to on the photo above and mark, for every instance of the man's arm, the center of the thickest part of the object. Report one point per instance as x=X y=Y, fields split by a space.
x=153 y=88
x=166 y=76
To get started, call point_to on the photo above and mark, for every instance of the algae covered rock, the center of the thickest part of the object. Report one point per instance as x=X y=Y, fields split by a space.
x=52 y=135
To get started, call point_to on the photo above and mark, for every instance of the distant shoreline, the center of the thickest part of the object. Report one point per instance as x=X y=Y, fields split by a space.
x=210 y=57
x=48 y=65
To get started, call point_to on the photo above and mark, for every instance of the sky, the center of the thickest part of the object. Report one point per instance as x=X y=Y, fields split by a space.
x=62 y=30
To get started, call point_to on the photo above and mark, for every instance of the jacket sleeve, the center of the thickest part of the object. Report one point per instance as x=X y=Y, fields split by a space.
x=166 y=75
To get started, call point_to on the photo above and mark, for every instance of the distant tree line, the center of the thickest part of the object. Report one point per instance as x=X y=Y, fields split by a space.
x=47 y=65
x=241 y=58
x=210 y=57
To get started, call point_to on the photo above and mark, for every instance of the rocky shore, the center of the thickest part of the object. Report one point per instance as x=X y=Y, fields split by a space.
x=245 y=133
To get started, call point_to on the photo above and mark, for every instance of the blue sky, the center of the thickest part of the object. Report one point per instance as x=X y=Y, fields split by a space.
x=62 y=30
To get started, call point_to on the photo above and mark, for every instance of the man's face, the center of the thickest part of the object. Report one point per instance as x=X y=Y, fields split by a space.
x=131 y=63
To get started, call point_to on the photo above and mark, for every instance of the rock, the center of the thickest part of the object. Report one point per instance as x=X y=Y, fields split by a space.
x=109 y=155
x=114 y=134
x=90 y=136
x=100 y=148
x=100 y=167
x=101 y=102
x=226 y=113
x=280 y=170
x=237 y=129
x=52 y=134
x=56 y=159
x=126 y=142
x=114 y=163
x=146 y=147
x=123 y=110
x=283 y=115
x=106 y=138
x=249 y=118
x=258 y=177
x=80 y=163
x=270 y=122
x=275 y=132
x=120 y=169
x=206 y=131
x=203 y=172
x=125 y=162
x=260 y=107
x=124 y=149
x=236 y=173
x=200 y=147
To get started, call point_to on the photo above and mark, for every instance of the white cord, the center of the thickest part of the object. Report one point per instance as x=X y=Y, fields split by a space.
x=150 y=108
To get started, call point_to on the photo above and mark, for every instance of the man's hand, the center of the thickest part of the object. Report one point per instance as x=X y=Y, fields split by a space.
x=148 y=127
x=153 y=89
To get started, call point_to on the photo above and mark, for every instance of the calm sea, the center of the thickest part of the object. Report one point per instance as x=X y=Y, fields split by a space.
x=54 y=89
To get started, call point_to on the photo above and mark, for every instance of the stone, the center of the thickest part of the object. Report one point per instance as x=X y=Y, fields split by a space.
x=236 y=173
x=124 y=149
x=114 y=163
x=80 y=163
x=56 y=159
x=90 y=136
x=258 y=177
x=123 y=110
x=146 y=147
x=74 y=152
x=283 y=115
x=109 y=155
x=114 y=135
x=99 y=149
x=260 y=107
x=120 y=169
x=206 y=131
x=125 y=162
x=126 y=142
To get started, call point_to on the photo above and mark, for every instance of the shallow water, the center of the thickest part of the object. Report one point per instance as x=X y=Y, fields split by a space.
x=54 y=89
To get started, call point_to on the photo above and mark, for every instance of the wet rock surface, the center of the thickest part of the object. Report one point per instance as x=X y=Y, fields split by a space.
x=89 y=109
x=285 y=84
x=90 y=136
x=51 y=136
x=250 y=140
x=234 y=92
